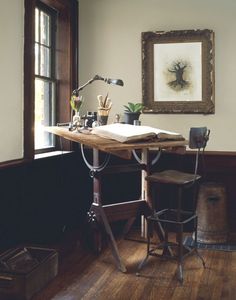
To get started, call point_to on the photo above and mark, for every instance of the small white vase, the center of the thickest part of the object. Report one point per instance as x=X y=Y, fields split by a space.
x=76 y=119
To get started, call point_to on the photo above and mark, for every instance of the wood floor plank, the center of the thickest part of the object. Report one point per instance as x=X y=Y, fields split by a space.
x=83 y=275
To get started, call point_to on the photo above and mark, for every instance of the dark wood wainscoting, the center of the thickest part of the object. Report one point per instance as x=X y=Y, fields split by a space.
x=42 y=200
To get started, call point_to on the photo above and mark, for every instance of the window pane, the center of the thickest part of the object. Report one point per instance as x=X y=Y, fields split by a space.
x=36 y=49
x=44 y=83
x=45 y=29
x=45 y=61
x=37 y=25
x=44 y=116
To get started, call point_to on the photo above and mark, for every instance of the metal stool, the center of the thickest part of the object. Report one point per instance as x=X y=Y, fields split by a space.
x=177 y=218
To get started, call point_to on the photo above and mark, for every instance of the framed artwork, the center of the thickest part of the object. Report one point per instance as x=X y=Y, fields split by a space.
x=178 y=71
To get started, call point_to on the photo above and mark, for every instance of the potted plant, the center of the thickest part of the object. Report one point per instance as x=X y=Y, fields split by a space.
x=132 y=112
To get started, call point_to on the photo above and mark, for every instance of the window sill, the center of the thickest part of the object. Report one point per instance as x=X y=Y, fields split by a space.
x=50 y=154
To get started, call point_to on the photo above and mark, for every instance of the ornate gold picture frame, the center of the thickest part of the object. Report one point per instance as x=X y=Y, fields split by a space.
x=178 y=72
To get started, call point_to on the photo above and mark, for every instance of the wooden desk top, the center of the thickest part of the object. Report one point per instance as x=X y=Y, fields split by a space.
x=123 y=150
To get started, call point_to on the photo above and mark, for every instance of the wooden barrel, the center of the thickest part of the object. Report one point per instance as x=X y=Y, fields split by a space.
x=212 y=214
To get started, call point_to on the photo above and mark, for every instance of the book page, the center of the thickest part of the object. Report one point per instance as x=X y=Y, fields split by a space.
x=126 y=132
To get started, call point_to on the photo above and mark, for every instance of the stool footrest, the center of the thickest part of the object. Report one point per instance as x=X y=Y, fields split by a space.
x=164 y=246
x=173 y=216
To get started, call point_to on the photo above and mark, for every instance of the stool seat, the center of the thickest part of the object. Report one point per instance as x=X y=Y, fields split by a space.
x=173 y=177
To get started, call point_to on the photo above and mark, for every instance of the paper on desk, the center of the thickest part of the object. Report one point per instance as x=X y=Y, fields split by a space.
x=129 y=133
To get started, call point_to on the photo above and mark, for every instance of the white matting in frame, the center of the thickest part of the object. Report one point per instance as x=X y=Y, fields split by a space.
x=178 y=71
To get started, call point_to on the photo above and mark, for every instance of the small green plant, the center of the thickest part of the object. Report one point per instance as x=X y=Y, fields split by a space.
x=134 y=107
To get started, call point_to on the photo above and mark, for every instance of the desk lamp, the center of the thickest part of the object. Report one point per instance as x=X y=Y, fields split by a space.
x=96 y=77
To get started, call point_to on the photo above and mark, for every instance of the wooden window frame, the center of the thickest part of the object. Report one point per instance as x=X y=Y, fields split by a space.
x=66 y=62
x=49 y=78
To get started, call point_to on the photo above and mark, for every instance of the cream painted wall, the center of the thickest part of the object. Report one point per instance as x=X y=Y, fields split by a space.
x=110 y=45
x=11 y=79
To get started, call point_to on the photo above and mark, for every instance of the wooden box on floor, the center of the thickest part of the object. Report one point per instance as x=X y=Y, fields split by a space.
x=25 y=271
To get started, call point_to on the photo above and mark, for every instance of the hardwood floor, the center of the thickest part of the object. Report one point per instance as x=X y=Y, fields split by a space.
x=83 y=275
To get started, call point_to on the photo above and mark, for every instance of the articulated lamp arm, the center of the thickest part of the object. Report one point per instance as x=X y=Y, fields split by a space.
x=75 y=93
x=97 y=77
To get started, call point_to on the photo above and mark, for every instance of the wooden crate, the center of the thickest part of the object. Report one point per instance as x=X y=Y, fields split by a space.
x=26 y=270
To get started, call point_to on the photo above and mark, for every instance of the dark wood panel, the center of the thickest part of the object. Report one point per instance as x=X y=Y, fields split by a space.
x=41 y=199
x=44 y=199
x=29 y=90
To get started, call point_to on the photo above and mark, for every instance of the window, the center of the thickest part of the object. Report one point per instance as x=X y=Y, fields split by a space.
x=50 y=70
x=45 y=81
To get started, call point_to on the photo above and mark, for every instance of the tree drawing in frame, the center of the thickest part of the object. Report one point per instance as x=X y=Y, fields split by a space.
x=178 y=67
x=178 y=71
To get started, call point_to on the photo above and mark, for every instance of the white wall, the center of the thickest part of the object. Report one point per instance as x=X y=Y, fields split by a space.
x=11 y=79
x=110 y=45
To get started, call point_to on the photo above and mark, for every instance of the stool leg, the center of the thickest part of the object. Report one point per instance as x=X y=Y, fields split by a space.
x=166 y=248
x=179 y=206
x=149 y=234
x=179 y=237
x=195 y=242
x=180 y=254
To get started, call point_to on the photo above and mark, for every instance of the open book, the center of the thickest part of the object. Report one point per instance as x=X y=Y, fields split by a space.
x=126 y=133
